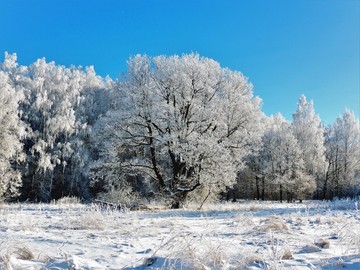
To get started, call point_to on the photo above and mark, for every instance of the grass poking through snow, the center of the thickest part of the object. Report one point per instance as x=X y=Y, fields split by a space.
x=244 y=235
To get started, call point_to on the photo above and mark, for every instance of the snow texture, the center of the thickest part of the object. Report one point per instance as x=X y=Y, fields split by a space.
x=243 y=235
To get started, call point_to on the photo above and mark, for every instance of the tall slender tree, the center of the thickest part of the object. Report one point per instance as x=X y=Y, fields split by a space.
x=309 y=133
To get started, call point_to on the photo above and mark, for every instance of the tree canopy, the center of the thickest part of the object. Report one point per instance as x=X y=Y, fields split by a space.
x=175 y=128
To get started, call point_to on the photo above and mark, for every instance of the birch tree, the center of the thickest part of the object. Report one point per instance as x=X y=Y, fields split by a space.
x=343 y=157
x=55 y=111
x=309 y=133
x=282 y=163
x=12 y=130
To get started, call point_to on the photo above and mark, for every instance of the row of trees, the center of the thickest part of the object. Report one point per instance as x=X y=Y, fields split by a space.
x=304 y=158
x=173 y=127
x=46 y=116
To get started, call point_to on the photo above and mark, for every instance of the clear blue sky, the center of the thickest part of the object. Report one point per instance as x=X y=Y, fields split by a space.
x=285 y=47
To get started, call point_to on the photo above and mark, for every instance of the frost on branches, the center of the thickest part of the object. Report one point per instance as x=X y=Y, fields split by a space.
x=183 y=123
x=283 y=165
x=343 y=157
x=309 y=133
x=173 y=128
x=12 y=130
x=55 y=112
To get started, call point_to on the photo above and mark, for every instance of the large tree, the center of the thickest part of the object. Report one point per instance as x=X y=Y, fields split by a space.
x=184 y=123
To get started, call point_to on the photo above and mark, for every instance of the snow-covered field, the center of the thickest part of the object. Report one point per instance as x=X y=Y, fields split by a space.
x=244 y=235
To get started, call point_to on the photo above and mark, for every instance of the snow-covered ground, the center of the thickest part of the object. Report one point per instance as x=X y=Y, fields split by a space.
x=244 y=235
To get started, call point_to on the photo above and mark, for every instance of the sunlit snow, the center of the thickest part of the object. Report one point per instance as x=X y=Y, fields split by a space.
x=243 y=235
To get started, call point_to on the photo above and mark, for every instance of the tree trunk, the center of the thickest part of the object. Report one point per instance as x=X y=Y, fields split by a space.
x=153 y=158
x=257 y=187
x=337 y=175
x=324 y=191
x=178 y=200
x=207 y=196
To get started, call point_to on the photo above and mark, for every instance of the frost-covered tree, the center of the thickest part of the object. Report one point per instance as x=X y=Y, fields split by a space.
x=309 y=132
x=280 y=162
x=343 y=157
x=251 y=180
x=95 y=102
x=183 y=123
x=57 y=107
x=12 y=130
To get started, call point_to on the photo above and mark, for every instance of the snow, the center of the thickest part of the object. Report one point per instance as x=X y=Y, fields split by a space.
x=243 y=235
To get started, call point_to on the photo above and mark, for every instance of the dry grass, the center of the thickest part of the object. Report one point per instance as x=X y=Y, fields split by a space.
x=322 y=243
x=89 y=221
x=251 y=206
x=254 y=207
x=241 y=239
x=197 y=252
x=244 y=222
x=17 y=250
x=68 y=201
x=287 y=255
x=272 y=223
x=5 y=262
x=21 y=253
x=29 y=224
x=349 y=237
x=246 y=260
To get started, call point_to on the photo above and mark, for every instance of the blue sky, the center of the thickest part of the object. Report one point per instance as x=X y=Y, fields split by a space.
x=286 y=48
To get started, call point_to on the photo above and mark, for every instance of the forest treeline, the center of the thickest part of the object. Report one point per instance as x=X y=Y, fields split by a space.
x=174 y=128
